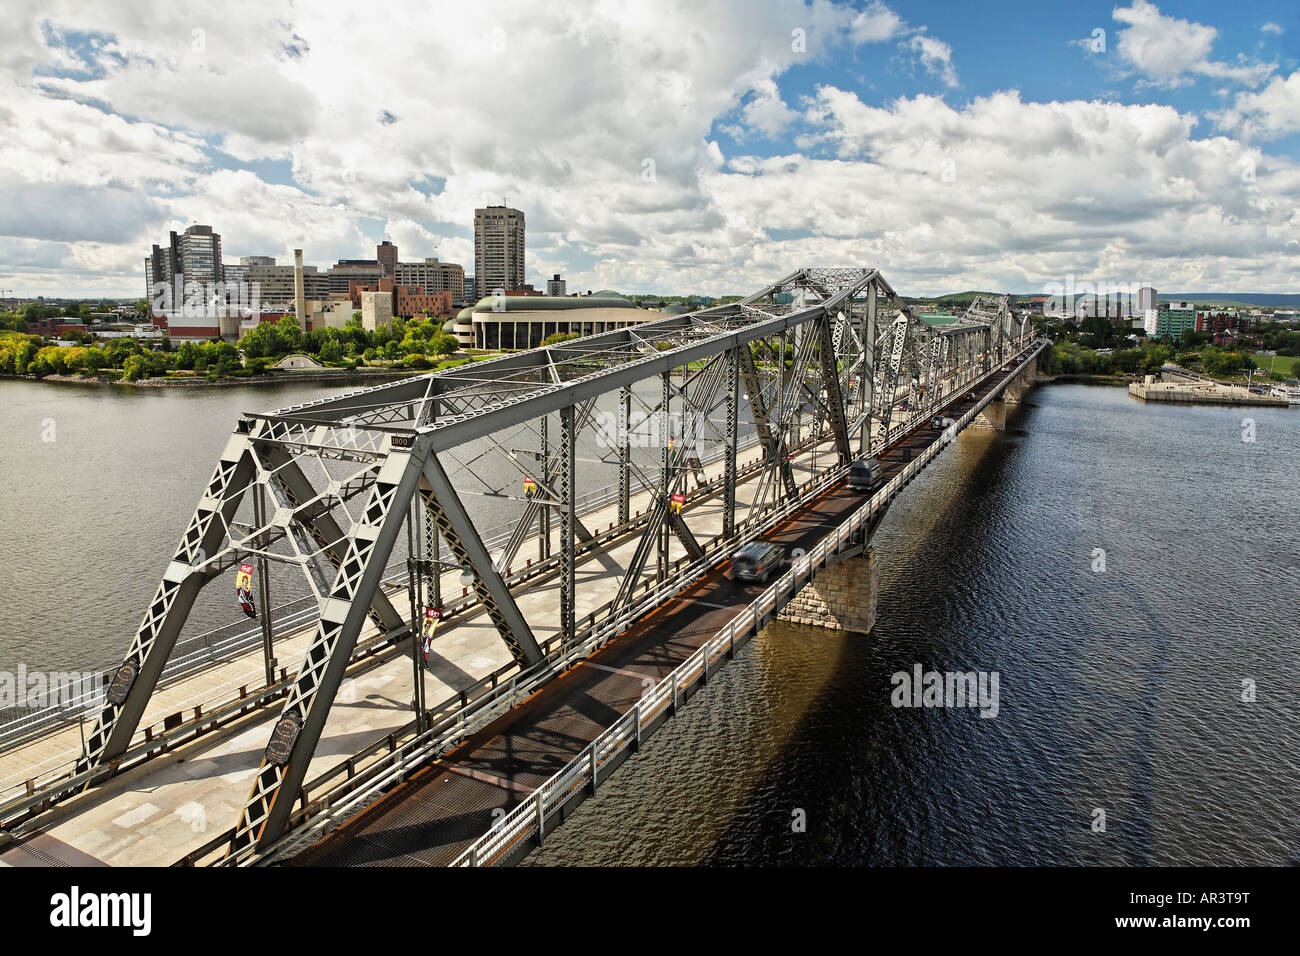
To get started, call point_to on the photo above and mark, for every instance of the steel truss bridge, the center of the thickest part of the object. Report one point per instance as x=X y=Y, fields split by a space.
x=829 y=356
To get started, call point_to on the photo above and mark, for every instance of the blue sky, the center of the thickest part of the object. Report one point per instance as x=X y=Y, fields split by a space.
x=662 y=146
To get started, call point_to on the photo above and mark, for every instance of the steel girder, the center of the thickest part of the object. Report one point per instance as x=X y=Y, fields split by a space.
x=456 y=528
x=731 y=444
x=135 y=679
x=843 y=371
x=293 y=740
x=568 y=523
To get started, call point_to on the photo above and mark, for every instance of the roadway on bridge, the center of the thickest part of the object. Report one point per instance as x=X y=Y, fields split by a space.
x=433 y=817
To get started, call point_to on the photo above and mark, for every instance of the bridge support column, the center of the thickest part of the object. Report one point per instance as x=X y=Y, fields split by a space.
x=993 y=415
x=841 y=598
x=1023 y=382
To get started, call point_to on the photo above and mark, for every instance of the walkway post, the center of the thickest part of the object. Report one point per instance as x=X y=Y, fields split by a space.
x=624 y=454
x=729 y=468
x=264 y=587
x=568 y=592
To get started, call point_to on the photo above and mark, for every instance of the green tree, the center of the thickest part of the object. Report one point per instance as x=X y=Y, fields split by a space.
x=290 y=334
x=135 y=368
x=331 y=351
x=443 y=344
x=264 y=341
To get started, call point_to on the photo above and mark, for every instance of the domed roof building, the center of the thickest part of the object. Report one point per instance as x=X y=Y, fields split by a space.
x=525 y=321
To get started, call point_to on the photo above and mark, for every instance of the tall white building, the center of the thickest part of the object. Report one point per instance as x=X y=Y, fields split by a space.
x=1146 y=299
x=191 y=256
x=498 y=249
x=555 y=285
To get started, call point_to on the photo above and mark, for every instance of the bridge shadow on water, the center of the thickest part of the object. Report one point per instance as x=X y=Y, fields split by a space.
x=884 y=785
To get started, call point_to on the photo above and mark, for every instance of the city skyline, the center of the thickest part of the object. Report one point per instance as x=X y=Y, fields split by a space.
x=955 y=149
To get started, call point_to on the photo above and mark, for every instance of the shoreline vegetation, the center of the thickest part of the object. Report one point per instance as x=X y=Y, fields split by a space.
x=337 y=354
x=277 y=377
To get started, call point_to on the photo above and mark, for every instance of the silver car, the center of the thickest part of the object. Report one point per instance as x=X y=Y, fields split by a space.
x=758 y=561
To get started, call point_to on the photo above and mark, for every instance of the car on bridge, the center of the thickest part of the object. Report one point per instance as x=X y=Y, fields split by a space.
x=758 y=561
x=865 y=474
x=938 y=421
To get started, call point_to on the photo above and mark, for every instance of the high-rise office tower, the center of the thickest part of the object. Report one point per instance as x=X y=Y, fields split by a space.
x=386 y=253
x=498 y=249
x=194 y=255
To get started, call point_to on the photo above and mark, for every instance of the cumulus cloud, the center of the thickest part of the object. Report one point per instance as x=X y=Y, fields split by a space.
x=597 y=119
x=936 y=57
x=1271 y=113
x=1171 y=52
x=1011 y=194
x=875 y=24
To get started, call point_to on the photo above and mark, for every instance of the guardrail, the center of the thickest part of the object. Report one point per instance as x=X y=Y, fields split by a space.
x=476 y=712
x=393 y=767
x=525 y=826
x=465 y=713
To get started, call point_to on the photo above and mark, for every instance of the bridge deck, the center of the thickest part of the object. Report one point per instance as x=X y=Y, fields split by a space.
x=156 y=815
x=433 y=817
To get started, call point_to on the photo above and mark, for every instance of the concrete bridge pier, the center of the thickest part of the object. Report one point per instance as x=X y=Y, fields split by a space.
x=993 y=415
x=841 y=598
x=1022 y=383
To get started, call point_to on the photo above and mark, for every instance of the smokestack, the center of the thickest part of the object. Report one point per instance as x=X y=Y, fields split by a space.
x=299 y=302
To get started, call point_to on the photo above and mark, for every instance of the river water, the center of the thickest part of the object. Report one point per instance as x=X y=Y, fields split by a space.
x=1120 y=690
x=103 y=480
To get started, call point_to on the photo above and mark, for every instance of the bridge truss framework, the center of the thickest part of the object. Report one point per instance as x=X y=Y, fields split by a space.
x=329 y=486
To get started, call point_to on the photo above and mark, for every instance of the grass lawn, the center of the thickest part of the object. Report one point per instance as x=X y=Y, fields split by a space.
x=1287 y=364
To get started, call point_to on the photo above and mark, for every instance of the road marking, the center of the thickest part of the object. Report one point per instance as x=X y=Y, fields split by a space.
x=484 y=777
x=618 y=670
x=720 y=607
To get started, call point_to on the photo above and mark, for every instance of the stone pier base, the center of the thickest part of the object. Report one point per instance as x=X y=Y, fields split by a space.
x=993 y=415
x=1022 y=383
x=842 y=598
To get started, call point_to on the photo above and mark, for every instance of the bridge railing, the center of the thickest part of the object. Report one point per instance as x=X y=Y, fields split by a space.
x=611 y=747
x=454 y=727
x=526 y=824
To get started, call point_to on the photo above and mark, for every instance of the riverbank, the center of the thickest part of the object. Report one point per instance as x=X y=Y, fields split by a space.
x=1078 y=378
x=340 y=376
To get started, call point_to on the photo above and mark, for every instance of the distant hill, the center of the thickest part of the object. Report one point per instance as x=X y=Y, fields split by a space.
x=952 y=298
x=1277 y=300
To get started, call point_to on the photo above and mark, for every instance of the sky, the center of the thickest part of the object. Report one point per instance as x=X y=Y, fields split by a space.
x=708 y=146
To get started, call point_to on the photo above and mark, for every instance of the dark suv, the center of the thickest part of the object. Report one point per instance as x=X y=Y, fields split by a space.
x=758 y=561
x=864 y=474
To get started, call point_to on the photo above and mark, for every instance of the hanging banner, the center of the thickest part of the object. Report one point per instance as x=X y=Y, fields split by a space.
x=679 y=500
x=432 y=615
x=244 y=590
